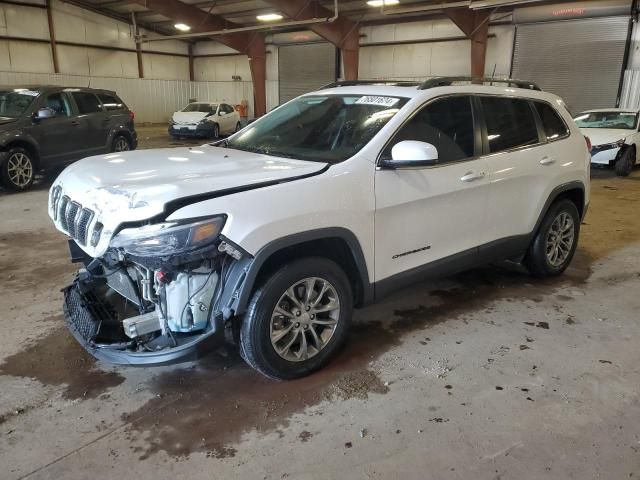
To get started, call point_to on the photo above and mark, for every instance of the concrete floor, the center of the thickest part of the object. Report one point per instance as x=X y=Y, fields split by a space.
x=487 y=375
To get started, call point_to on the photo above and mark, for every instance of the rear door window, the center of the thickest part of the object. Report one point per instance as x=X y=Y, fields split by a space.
x=86 y=102
x=510 y=123
x=554 y=127
x=110 y=102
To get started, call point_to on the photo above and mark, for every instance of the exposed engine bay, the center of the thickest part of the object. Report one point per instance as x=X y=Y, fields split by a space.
x=130 y=310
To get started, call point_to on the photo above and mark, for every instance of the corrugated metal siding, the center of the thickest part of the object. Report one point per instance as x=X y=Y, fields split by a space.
x=152 y=100
x=630 y=97
x=304 y=68
x=578 y=60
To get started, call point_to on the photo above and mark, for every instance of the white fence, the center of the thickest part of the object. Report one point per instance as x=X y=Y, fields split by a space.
x=152 y=100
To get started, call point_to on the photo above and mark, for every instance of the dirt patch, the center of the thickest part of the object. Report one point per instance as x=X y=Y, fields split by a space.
x=34 y=260
x=58 y=359
x=208 y=407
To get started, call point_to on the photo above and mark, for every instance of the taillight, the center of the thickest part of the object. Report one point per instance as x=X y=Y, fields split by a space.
x=132 y=115
x=588 y=140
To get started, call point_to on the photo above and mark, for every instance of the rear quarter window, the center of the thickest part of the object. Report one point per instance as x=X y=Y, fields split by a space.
x=553 y=125
x=111 y=103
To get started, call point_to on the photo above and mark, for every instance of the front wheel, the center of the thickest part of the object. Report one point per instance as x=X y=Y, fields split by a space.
x=556 y=240
x=625 y=163
x=215 y=132
x=238 y=127
x=17 y=172
x=297 y=319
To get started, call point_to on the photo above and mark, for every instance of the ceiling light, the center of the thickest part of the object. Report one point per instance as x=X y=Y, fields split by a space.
x=183 y=27
x=380 y=3
x=269 y=17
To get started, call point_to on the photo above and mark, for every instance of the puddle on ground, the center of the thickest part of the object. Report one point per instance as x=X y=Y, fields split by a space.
x=58 y=359
x=209 y=406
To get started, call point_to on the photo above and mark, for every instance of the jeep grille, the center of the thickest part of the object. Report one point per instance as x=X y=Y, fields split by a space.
x=74 y=219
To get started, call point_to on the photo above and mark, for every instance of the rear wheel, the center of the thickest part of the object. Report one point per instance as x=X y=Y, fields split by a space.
x=297 y=319
x=120 y=144
x=18 y=170
x=625 y=163
x=555 y=243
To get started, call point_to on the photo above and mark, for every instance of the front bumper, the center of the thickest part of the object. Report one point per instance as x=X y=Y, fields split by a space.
x=604 y=154
x=201 y=130
x=87 y=314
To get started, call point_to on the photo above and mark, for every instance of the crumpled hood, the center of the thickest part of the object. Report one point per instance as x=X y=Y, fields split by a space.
x=188 y=118
x=136 y=185
x=601 y=136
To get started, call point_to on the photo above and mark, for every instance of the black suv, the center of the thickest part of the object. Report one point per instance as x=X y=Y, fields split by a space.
x=44 y=127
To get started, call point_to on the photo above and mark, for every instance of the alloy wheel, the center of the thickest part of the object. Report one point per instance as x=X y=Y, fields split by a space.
x=19 y=169
x=121 y=145
x=560 y=239
x=304 y=319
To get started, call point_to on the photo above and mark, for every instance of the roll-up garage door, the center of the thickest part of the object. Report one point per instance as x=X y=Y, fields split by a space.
x=304 y=68
x=579 y=60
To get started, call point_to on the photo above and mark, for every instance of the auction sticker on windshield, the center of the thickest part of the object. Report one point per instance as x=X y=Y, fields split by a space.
x=377 y=100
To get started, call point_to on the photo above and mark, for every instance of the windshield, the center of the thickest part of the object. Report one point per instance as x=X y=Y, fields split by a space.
x=14 y=103
x=619 y=120
x=200 y=107
x=322 y=128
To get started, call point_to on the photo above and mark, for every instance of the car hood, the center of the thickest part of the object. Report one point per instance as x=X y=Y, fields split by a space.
x=601 y=136
x=188 y=118
x=137 y=185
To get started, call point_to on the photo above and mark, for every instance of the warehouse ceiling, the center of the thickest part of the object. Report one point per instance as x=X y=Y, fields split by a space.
x=244 y=12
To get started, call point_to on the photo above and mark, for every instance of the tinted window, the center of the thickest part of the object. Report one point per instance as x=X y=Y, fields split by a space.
x=553 y=125
x=87 y=102
x=447 y=124
x=110 y=102
x=510 y=123
x=58 y=103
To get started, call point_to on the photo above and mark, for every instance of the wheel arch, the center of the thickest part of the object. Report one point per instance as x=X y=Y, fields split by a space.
x=28 y=145
x=337 y=244
x=574 y=191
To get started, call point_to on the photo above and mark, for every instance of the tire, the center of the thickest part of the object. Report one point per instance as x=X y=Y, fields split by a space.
x=238 y=127
x=261 y=319
x=626 y=162
x=18 y=170
x=120 y=144
x=216 y=131
x=540 y=257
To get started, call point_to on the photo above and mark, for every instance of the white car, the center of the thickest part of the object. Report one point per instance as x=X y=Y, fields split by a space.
x=205 y=119
x=615 y=137
x=270 y=237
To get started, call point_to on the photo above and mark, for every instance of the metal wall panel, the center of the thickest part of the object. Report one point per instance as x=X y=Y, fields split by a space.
x=630 y=97
x=304 y=68
x=152 y=100
x=579 y=60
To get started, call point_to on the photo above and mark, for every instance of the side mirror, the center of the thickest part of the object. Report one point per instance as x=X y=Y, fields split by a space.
x=45 y=112
x=412 y=154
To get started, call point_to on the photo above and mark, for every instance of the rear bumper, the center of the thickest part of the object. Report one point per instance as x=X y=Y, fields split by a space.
x=86 y=313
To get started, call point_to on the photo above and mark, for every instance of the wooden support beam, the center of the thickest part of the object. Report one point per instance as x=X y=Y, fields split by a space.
x=191 y=73
x=249 y=43
x=52 y=38
x=342 y=32
x=475 y=25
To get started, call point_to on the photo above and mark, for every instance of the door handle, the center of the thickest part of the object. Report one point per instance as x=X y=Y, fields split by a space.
x=471 y=176
x=547 y=161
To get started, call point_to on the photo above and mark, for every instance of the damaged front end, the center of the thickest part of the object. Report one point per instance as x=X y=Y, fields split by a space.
x=161 y=293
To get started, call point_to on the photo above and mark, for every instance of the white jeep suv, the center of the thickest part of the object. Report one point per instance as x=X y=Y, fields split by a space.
x=271 y=237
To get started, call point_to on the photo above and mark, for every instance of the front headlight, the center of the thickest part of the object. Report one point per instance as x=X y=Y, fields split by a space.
x=169 y=238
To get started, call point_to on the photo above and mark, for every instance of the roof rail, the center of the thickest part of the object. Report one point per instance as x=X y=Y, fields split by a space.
x=447 y=81
x=390 y=83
